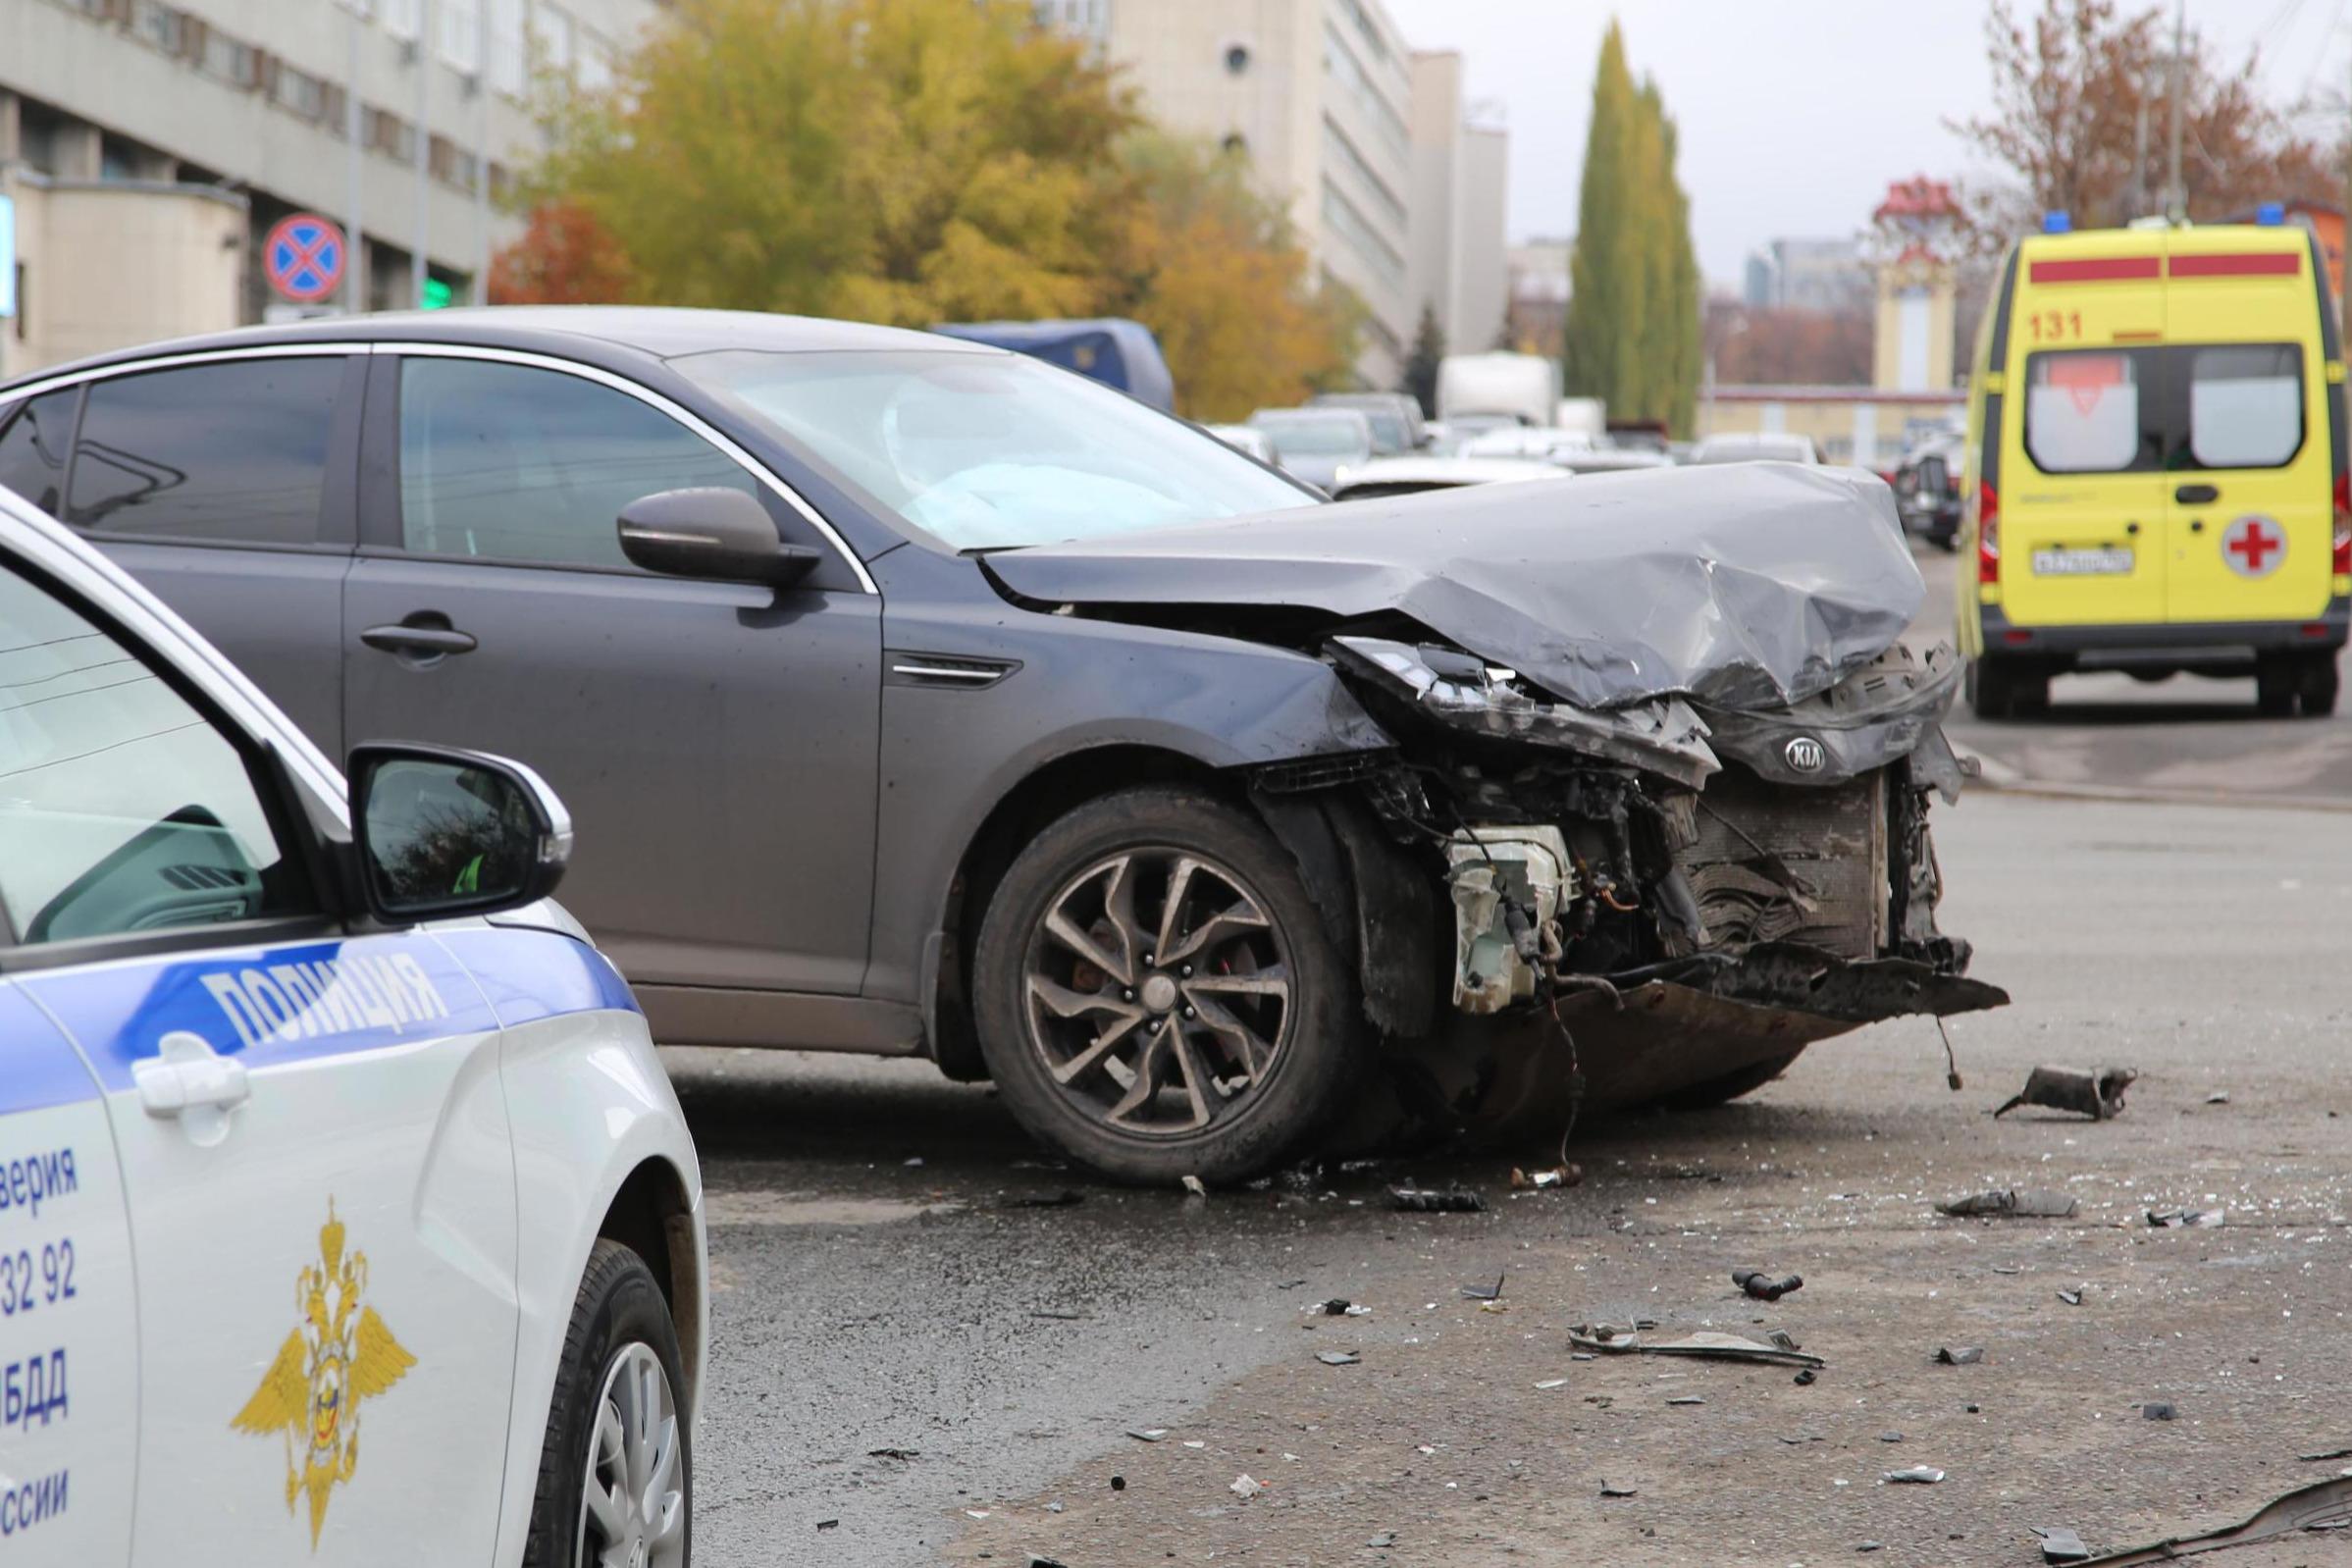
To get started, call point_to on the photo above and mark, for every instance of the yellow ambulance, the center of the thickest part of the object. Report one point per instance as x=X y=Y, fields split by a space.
x=2156 y=475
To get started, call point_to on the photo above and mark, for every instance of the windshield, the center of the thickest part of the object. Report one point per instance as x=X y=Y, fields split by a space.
x=1313 y=436
x=987 y=451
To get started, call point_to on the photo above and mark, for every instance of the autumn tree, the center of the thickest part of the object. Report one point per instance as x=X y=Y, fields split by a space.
x=1420 y=364
x=1632 y=336
x=564 y=257
x=2071 y=83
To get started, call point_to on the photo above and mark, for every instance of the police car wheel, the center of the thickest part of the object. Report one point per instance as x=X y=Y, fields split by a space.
x=1157 y=996
x=615 y=1473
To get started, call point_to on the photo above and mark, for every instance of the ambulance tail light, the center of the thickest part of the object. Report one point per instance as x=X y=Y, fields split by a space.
x=1987 y=533
x=2342 y=564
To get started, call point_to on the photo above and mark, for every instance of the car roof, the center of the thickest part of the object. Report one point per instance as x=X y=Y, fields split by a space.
x=661 y=332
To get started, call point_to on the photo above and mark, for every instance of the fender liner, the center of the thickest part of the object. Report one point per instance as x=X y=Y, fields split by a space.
x=1378 y=907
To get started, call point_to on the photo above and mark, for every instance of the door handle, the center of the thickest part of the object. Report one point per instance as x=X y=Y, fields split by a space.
x=189 y=1082
x=430 y=642
x=2196 y=495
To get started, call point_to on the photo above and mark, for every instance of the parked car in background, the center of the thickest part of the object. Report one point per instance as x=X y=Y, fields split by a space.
x=916 y=698
x=1755 y=447
x=1316 y=444
x=1114 y=350
x=321 y=1116
x=1248 y=440
x=1396 y=423
x=1463 y=429
x=1409 y=476
x=1927 y=491
x=1609 y=460
x=1540 y=444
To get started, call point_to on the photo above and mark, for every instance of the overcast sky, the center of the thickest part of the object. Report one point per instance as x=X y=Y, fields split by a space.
x=1794 y=114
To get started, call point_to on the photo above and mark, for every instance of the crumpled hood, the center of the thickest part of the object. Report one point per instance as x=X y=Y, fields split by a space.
x=1745 y=586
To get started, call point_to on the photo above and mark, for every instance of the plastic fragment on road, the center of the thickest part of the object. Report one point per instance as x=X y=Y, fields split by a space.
x=1916 y=1475
x=2060 y=1545
x=2095 y=1093
x=1036 y=1561
x=1686 y=1399
x=1337 y=1358
x=1245 y=1487
x=1804 y=1379
x=1762 y=1287
x=1386 y=1537
x=2158 y=1410
x=1609 y=1491
x=901 y=1455
x=828 y=1524
x=1420 y=1200
x=1960 y=1355
x=2072 y=1299
x=2171 y=1218
x=1147 y=1434
x=1337 y=1307
x=2325 y=1455
x=1706 y=1345
x=1192 y=1187
x=1485 y=1292
x=2323 y=1505
x=1550 y=1383
x=2013 y=1203
x=1559 y=1176
x=2217 y=1097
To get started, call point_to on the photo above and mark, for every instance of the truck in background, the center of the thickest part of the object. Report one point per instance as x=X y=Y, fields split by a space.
x=1114 y=350
x=1588 y=417
x=1524 y=387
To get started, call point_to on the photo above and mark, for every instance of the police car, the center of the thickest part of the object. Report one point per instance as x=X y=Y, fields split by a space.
x=346 y=1213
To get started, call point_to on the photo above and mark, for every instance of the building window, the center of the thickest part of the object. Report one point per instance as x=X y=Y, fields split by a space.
x=299 y=91
x=399 y=18
x=461 y=28
x=161 y=26
x=1342 y=152
x=1340 y=64
x=1366 y=241
x=551 y=38
x=234 y=62
x=509 y=70
x=1236 y=59
x=388 y=133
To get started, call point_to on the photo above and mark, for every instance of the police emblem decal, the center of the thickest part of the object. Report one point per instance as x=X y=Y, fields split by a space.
x=341 y=1354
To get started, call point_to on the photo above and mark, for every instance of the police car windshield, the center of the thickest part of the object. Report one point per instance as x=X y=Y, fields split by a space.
x=986 y=451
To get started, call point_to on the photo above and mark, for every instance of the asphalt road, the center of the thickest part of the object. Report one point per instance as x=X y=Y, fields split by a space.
x=2188 y=737
x=896 y=1350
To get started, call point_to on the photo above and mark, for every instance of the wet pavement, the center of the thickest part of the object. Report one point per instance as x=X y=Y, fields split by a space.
x=899 y=1346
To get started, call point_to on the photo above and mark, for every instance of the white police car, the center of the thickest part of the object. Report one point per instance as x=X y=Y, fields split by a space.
x=317 y=1124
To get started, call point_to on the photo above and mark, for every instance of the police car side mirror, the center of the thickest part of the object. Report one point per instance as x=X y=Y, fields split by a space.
x=712 y=532
x=439 y=832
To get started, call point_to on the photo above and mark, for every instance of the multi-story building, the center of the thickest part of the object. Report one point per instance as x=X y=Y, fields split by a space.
x=1322 y=96
x=1807 y=275
x=1461 y=154
x=147 y=148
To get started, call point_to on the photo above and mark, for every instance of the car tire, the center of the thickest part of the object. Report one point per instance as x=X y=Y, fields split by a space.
x=2029 y=692
x=2276 y=682
x=2315 y=692
x=1712 y=1092
x=620 y=1355
x=1138 y=1110
x=1988 y=687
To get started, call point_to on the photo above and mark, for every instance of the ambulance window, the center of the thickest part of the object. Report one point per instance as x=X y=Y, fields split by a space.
x=2082 y=411
x=122 y=808
x=2245 y=405
x=32 y=447
x=232 y=450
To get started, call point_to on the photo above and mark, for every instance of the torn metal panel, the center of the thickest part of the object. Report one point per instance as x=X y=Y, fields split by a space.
x=2095 y=1093
x=1746 y=586
x=2325 y=1506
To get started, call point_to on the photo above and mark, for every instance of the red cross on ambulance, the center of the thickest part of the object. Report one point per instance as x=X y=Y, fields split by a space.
x=2254 y=546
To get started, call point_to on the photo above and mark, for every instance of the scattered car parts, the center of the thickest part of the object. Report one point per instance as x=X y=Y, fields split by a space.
x=2096 y=1092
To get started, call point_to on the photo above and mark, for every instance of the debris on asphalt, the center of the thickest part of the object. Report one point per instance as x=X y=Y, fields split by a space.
x=1485 y=1292
x=2158 y=1410
x=1337 y=1307
x=2015 y=1203
x=1951 y=1072
x=2217 y=1097
x=1451 y=1200
x=2168 y=1218
x=1609 y=1491
x=2331 y=1453
x=2324 y=1505
x=1053 y=1507
x=1386 y=1537
x=2060 y=1545
x=1147 y=1434
x=1960 y=1355
x=1244 y=1488
x=1890 y=1437
x=1873 y=1546
x=1916 y=1475
x=1708 y=1345
x=1559 y=1176
x=2097 y=1093
x=901 y=1455
x=1036 y=1561
x=1118 y=1483
x=1762 y=1285
x=1337 y=1358
x=1686 y=1399
x=1194 y=1188
x=1550 y=1383
x=1804 y=1379
x=1067 y=1198
x=828 y=1524
x=2072 y=1299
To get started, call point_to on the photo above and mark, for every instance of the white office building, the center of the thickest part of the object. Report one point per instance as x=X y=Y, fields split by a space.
x=148 y=146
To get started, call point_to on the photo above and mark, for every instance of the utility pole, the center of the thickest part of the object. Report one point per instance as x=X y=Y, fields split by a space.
x=2138 y=204
x=485 y=87
x=355 y=244
x=2176 y=202
x=424 y=149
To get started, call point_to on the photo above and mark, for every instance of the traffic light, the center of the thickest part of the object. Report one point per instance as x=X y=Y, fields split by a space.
x=437 y=295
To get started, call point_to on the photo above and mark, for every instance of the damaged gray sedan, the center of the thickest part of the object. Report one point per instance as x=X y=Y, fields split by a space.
x=928 y=700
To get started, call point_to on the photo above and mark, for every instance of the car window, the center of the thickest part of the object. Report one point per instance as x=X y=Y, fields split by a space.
x=2082 y=411
x=32 y=447
x=122 y=808
x=2245 y=405
x=512 y=463
x=234 y=451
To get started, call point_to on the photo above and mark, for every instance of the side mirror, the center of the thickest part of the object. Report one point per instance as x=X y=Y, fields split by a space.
x=716 y=532
x=439 y=832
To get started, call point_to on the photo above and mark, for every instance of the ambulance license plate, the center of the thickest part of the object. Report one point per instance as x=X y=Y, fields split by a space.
x=2105 y=562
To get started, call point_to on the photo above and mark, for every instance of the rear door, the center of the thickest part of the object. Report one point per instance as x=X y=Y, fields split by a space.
x=715 y=742
x=2082 y=500
x=2250 y=493
x=225 y=487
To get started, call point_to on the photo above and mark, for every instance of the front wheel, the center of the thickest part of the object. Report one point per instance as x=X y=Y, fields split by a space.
x=1156 y=994
x=615 y=1473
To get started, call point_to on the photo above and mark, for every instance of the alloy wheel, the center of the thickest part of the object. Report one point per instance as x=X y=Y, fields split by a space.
x=633 y=1498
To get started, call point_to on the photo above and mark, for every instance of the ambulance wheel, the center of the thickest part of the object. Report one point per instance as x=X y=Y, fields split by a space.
x=615 y=1473
x=1156 y=995
x=2316 y=692
x=1991 y=687
x=2029 y=692
x=2275 y=685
